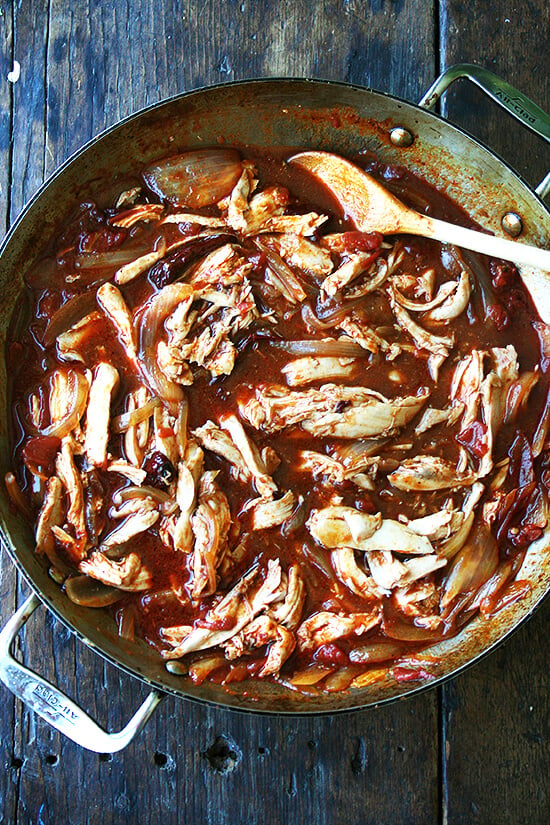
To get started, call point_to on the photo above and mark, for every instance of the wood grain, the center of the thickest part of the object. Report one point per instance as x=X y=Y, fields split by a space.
x=512 y=41
x=11 y=755
x=495 y=717
x=496 y=729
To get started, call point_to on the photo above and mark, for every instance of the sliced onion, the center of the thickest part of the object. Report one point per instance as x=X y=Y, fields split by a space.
x=311 y=319
x=473 y=566
x=319 y=559
x=156 y=311
x=341 y=680
x=395 y=627
x=477 y=272
x=543 y=428
x=488 y=592
x=126 y=621
x=90 y=592
x=543 y=332
x=160 y=599
x=202 y=668
x=123 y=422
x=68 y=315
x=334 y=314
x=331 y=317
x=296 y=519
x=358 y=450
x=310 y=676
x=282 y=275
x=515 y=591
x=113 y=258
x=374 y=652
x=126 y=493
x=17 y=497
x=196 y=178
x=78 y=389
x=326 y=346
x=237 y=673
x=518 y=395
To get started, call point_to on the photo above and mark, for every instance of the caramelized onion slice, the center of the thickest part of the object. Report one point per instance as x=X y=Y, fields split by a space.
x=472 y=566
x=374 y=652
x=159 y=307
x=123 y=422
x=113 y=258
x=90 y=592
x=327 y=346
x=16 y=495
x=69 y=314
x=195 y=179
x=78 y=387
x=395 y=627
x=282 y=275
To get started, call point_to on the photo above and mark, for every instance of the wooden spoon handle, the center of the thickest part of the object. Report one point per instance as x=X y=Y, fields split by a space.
x=515 y=251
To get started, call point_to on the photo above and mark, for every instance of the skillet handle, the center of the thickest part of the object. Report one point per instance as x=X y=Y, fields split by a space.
x=52 y=705
x=516 y=103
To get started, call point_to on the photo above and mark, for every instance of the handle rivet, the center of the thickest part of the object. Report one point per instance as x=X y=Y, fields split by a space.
x=401 y=137
x=512 y=224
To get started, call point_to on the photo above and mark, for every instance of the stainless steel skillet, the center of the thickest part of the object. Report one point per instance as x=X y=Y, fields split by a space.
x=293 y=114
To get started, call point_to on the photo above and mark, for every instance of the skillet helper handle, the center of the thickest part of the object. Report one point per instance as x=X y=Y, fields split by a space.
x=52 y=705
x=516 y=103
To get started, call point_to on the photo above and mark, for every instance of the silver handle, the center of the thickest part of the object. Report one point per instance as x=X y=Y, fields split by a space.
x=514 y=101
x=56 y=708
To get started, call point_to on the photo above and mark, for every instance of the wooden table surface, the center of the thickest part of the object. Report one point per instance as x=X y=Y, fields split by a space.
x=476 y=750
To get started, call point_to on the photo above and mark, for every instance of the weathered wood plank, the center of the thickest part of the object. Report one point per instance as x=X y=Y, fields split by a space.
x=495 y=717
x=497 y=733
x=204 y=765
x=10 y=84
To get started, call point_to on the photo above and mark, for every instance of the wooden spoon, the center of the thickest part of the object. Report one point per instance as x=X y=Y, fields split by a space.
x=373 y=209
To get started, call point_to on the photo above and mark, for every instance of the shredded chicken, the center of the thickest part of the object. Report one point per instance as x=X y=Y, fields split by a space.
x=51 y=515
x=301 y=253
x=366 y=413
x=428 y=472
x=262 y=631
x=115 y=308
x=339 y=526
x=310 y=369
x=98 y=413
x=249 y=597
x=128 y=573
x=210 y=524
x=270 y=513
x=325 y=627
x=70 y=478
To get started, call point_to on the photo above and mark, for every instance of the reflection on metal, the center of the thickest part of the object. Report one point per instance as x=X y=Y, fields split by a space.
x=512 y=224
x=401 y=137
x=543 y=189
